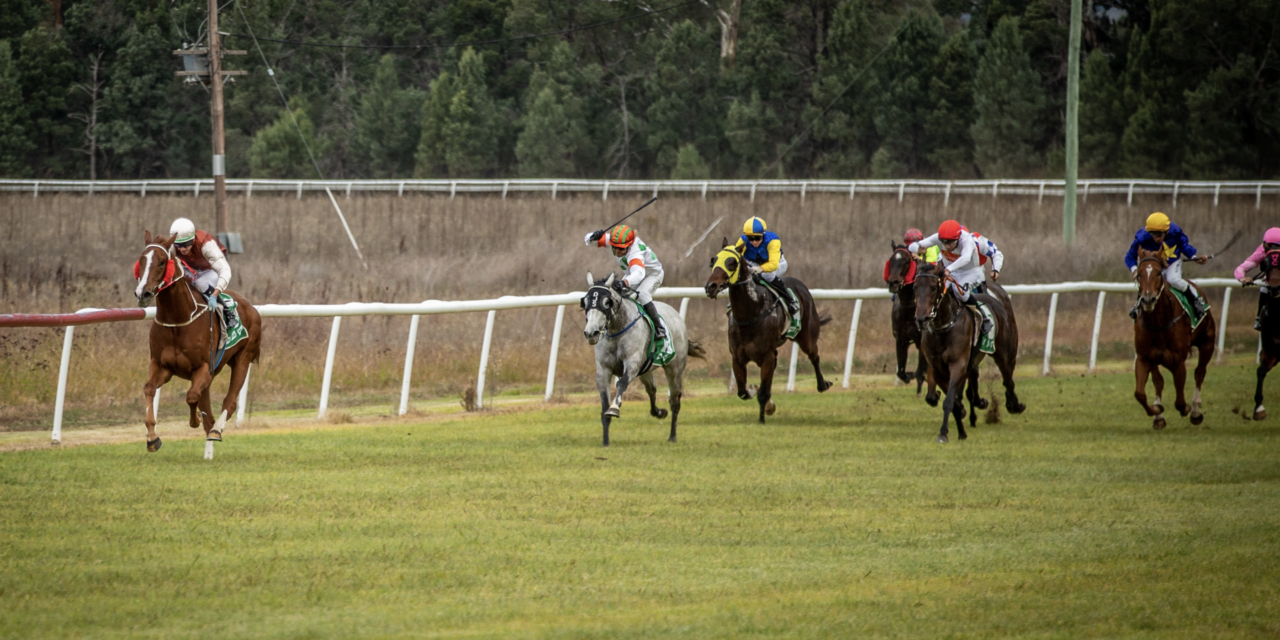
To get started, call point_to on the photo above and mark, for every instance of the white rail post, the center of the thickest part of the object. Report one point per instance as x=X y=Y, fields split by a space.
x=453 y=189
x=195 y=194
x=299 y=189
x=35 y=191
x=400 y=194
x=1086 y=193
x=1258 y=204
x=1216 y=188
x=144 y=189
x=348 y=190
x=484 y=359
x=1040 y=200
x=995 y=189
x=803 y=186
x=555 y=353
x=704 y=190
x=408 y=365
x=853 y=189
x=1222 y=328
x=62 y=384
x=753 y=191
x=328 y=365
x=1097 y=326
x=505 y=186
x=684 y=306
x=946 y=198
x=554 y=186
x=604 y=197
x=1130 y=205
x=902 y=188
x=242 y=403
x=249 y=190
x=1175 y=195
x=1048 y=334
x=853 y=337
x=791 y=368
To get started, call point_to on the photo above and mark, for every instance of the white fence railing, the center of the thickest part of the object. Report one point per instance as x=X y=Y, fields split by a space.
x=994 y=188
x=431 y=307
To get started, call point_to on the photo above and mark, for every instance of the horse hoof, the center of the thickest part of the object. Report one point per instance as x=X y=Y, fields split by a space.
x=214 y=436
x=931 y=400
x=671 y=439
x=1159 y=423
x=659 y=413
x=154 y=445
x=943 y=440
x=612 y=412
x=826 y=384
x=1197 y=418
x=770 y=408
x=752 y=390
x=980 y=405
x=965 y=436
x=1260 y=415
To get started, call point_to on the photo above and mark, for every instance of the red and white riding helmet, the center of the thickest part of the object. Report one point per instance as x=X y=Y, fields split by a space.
x=949 y=230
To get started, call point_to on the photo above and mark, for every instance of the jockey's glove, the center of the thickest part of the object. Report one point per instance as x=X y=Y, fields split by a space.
x=620 y=285
x=596 y=235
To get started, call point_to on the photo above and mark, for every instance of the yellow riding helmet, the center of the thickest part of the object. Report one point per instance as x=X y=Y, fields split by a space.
x=1157 y=222
x=754 y=227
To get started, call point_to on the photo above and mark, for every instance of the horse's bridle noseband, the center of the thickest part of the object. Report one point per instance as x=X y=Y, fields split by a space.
x=933 y=315
x=1159 y=294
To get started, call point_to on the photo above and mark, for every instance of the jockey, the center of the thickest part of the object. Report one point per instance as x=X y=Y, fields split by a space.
x=644 y=272
x=962 y=257
x=762 y=247
x=915 y=235
x=205 y=255
x=1270 y=242
x=1160 y=234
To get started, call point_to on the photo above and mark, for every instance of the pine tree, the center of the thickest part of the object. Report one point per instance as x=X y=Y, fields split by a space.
x=906 y=73
x=1102 y=117
x=689 y=165
x=460 y=125
x=15 y=142
x=1216 y=145
x=686 y=108
x=278 y=152
x=47 y=70
x=846 y=136
x=138 y=112
x=951 y=93
x=747 y=128
x=429 y=162
x=543 y=149
x=1008 y=99
x=555 y=141
x=388 y=125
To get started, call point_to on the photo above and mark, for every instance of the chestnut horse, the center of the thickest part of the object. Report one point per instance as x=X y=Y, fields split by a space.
x=184 y=339
x=758 y=323
x=1162 y=337
x=1270 y=278
x=947 y=339
x=900 y=275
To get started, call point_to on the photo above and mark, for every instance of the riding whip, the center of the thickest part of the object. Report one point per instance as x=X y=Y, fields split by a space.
x=651 y=201
x=1229 y=245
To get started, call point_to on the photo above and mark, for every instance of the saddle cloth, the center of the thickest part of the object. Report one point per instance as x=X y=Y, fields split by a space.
x=986 y=342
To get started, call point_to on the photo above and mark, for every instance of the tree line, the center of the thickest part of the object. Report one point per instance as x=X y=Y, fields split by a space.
x=707 y=89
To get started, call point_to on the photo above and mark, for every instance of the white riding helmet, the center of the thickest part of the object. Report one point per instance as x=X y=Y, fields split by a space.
x=185 y=229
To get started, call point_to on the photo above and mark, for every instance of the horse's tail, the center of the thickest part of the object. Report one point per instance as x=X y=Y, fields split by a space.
x=696 y=350
x=824 y=318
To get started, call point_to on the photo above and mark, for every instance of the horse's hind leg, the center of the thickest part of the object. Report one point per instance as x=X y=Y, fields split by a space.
x=1268 y=361
x=1206 y=353
x=675 y=391
x=1179 y=388
x=767 y=365
x=810 y=348
x=239 y=371
x=156 y=377
x=1006 y=363
x=652 y=389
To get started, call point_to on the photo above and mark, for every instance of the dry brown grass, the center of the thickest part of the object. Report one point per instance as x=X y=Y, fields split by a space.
x=64 y=252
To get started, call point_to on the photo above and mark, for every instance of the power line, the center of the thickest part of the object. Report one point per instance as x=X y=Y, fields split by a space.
x=468 y=44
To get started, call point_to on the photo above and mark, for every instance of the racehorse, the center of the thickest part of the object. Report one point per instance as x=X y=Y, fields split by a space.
x=900 y=274
x=758 y=323
x=1163 y=337
x=184 y=339
x=1270 y=327
x=948 y=335
x=622 y=344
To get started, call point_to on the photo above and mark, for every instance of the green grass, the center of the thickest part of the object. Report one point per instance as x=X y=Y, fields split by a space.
x=840 y=518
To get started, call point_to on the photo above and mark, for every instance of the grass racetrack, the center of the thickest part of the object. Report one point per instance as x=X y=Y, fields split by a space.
x=840 y=518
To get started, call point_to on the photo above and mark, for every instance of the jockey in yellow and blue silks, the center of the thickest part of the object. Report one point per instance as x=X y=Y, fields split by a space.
x=763 y=248
x=1160 y=234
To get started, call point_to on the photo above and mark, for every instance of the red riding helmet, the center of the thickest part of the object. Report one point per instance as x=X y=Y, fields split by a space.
x=912 y=235
x=622 y=236
x=949 y=230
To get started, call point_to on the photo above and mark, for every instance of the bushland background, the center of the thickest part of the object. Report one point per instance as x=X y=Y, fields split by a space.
x=64 y=252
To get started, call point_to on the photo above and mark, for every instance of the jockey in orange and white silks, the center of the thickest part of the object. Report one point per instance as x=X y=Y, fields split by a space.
x=207 y=257
x=963 y=255
x=644 y=272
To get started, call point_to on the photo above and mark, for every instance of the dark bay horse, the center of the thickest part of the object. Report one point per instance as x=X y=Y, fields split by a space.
x=758 y=323
x=1270 y=327
x=183 y=338
x=1162 y=337
x=947 y=339
x=900 y=275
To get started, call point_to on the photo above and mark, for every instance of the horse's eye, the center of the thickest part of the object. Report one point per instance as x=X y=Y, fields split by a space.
x=608 y=302
x=713 y=263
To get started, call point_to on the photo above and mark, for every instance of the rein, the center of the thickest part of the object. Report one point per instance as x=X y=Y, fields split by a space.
x=179 y=273
x=1142 y=315
x=608 y=314
x=932 y=317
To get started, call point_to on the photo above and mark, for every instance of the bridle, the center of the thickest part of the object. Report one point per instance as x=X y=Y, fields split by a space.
x=909 y=278
x=173 y=276
x=1159 y=294
x=593 y=294
x=930 y=319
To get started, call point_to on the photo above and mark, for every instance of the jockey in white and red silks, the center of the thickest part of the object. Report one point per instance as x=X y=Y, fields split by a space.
x=207 y=257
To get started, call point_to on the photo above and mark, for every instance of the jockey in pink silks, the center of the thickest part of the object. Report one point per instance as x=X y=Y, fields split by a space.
x=1270 y=242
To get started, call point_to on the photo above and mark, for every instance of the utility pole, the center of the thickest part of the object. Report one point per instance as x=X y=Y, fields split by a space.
x=1073 y=127
x=197 y=69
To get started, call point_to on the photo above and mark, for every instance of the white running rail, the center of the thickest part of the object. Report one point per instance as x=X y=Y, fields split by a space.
x=431 y=307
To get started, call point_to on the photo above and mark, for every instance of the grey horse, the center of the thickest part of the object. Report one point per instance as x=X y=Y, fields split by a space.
x=621 y=340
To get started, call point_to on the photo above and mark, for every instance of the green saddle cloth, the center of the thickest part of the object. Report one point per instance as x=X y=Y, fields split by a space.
x=233 y=335
x=987 y=340
x=794 y=329
x=661 y=352
x=1189 y=306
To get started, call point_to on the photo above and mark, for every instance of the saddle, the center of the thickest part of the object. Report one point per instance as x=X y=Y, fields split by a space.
x=661 y=352
x=793 y=321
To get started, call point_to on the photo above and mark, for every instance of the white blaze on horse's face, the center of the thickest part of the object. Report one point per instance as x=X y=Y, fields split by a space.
x=142 y=281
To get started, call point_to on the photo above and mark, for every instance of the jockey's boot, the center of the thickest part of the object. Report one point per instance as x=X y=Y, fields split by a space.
x=229 y=313
x=659 y=326
x=793 y=301
x=1198 y=301
x=986 y=321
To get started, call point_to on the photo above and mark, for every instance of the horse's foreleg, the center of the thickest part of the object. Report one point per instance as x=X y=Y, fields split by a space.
x=812 y=351
x=1259 y=411
x=1202 y=367
x=740 y=377
x=1157 y=380
x=903 y=375
x=615 y=409
x=767 y=365
x=922 y=371
x=603 y=378
x=1179 y=388
x=652 y=389
x=156 y=377
x=954 y=385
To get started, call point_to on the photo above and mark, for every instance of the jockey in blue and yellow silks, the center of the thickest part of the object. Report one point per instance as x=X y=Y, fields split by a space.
x=762 y=247
x=1160 y=234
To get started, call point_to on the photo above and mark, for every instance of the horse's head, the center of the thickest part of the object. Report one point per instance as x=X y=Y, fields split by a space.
x=931 y=286
x=1271 y=272
x=600 y=305
x=726 y=269
x=900 y=268
x=156 y=268
x=1150 y=278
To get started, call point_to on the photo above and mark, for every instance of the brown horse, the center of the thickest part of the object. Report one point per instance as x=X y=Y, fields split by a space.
x=900 y=274
x=1162 y=337
x=184 y=339
x=947 y=339
x=1270 y=277
x=758 y=323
